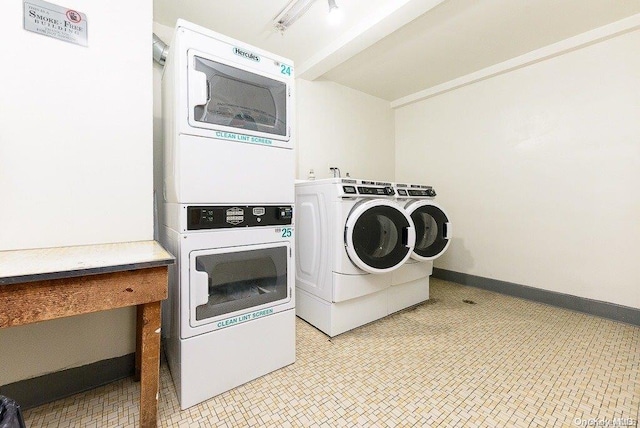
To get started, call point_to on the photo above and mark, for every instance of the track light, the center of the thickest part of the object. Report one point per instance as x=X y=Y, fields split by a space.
x=294 y=10
x=291 y=13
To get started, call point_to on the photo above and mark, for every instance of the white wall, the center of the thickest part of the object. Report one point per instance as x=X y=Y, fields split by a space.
x=75 y=164
x=342 y=127
x=539 y=169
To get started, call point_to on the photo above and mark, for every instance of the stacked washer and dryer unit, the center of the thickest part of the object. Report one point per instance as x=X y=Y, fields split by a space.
x=356 y=255
x=225 y=196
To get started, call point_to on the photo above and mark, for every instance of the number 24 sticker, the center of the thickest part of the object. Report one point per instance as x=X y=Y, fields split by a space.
x=285 y=69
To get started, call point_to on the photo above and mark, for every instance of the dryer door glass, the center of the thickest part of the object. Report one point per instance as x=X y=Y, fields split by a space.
x=241 y=99
x=380 y=237
x=242 y=279
x=432 y=235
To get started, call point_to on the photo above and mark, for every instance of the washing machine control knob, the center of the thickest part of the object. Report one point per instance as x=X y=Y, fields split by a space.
x=389 y=191
x=431 y=192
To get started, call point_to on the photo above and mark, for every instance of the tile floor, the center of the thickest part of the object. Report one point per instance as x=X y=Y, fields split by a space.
x=501 y=362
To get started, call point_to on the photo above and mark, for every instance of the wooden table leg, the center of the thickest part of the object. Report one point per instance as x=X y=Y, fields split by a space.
x=139 y=324
x=148 y=361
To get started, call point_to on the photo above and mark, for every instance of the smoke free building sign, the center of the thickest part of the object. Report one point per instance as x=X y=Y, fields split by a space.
x=55 y=21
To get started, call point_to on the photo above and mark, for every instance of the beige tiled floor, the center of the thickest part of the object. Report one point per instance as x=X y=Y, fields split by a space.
x=496 y=363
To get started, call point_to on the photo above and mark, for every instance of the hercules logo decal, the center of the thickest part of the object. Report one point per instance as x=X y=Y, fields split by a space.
x=246 y=54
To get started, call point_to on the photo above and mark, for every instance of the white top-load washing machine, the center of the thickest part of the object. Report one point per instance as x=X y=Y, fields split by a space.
x=351 y=234
x=433 y=237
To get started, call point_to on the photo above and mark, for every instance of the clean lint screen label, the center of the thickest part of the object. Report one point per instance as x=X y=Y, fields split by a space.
x=55 y=21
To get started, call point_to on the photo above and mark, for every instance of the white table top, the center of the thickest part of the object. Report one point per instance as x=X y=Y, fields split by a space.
x=18 y=266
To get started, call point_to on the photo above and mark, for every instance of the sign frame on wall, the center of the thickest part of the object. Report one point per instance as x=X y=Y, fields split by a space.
x=55 y=21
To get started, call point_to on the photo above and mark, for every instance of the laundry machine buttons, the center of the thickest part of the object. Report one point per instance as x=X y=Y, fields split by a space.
x=285 y=213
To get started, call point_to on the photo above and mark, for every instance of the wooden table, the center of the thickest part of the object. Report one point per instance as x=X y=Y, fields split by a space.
x=44 y=284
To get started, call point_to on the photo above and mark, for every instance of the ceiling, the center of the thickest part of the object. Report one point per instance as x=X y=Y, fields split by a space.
x=391 y=49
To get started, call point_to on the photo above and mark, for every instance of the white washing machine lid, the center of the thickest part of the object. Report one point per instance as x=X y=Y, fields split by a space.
x=379 y=235
x=433 y=229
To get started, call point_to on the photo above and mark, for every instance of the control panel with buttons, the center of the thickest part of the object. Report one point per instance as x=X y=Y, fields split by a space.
x=222 y=217
x=415 y=190
x=379 y=191
x=351 y=188
x=285 y=213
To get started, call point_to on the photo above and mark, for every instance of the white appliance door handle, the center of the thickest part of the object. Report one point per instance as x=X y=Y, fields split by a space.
x=411 y=237
x=200 y=288
x=448 y=231
x=198 y=92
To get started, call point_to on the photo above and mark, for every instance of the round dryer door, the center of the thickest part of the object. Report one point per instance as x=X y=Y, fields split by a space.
x=379 y=236
x=433 y=230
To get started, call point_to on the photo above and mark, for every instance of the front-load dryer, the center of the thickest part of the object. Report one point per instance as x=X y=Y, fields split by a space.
x=351 y=235
x=230 y=316
x=410 y=282
x=228 y=110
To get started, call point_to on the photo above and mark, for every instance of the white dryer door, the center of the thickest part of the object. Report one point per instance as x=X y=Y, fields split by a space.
x=379 y=236
x=433 y=229
x=224 y=97
x=225 y=283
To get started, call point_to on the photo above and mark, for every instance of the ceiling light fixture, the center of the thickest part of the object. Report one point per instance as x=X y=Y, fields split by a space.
x=291 y=13
x=335 y=14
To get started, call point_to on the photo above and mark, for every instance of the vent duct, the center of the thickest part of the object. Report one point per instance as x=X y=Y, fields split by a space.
x=160 y=50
